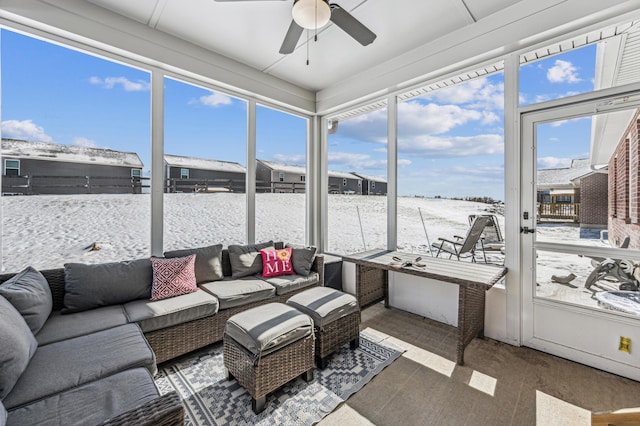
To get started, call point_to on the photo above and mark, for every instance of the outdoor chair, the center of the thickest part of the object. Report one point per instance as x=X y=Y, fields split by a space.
x=465 y=246
x=615 y=270
x=492 y=235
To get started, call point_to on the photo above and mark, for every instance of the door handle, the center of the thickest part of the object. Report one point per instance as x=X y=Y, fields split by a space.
x=527 y=230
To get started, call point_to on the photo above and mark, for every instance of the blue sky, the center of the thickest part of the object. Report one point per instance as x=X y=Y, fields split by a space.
x=451 y=141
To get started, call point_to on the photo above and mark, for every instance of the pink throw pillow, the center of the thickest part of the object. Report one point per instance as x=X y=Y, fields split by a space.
x=276 y=262
x=173 y=276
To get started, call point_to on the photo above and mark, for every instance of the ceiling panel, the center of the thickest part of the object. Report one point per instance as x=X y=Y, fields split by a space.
x=480 y=9
x=138 y=10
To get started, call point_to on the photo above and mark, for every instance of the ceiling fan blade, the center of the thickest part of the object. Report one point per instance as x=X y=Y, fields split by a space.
x=351 y=25
x=291 y=39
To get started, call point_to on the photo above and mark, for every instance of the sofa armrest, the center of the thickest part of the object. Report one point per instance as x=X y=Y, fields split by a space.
x=165 y=410
x=318 y=266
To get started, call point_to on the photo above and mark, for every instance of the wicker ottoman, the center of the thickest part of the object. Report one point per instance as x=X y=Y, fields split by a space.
x=336 y=319
x=266 y=347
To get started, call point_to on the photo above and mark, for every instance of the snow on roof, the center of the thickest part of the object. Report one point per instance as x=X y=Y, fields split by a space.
x=301 y=170
x=21 y=149
x=371 y=178
x=564 y=176
x=203 y=164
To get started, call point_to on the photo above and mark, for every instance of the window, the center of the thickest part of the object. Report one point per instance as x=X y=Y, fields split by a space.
x=184 y=173
x=136 y=173
x=12 y=167
x=359 y=183
x=302 y=178
x=373 y=184
x=281 y=177
x=344 y=182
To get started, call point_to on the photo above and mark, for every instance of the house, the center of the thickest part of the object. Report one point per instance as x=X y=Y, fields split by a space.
x=189 y=174
x=344 y=183
x=372 y=185
x=272 y=176
x=420 y=48
x=574 y=193
x=33 y=168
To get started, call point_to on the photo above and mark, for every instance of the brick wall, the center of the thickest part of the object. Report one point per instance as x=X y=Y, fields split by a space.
x=593 y=192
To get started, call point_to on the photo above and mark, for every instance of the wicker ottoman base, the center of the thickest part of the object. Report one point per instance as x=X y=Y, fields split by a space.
x=266 y=374
x=340 y=332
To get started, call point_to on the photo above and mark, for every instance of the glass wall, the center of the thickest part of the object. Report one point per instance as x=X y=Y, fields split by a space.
x=205 y=143
x=281 y=140
x=357 y=170
x=76 y=157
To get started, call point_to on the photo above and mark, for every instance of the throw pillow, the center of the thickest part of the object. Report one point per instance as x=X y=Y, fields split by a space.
x=29 y=292
x=208 y=262
x=91 y=286
x=302 y=259
x=246 y=260
x=276 y=262
x=17 y=348
x=173 y=277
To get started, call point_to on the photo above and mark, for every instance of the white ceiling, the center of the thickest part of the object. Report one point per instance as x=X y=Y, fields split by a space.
x=251 y=32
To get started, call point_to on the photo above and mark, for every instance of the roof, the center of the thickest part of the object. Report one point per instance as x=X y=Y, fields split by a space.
x=557 y=178
x=203 y=164
x=21 y=149
x=301 y=170
x=371 y=178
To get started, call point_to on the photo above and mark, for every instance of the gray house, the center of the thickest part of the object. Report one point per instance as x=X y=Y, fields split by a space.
x=272 y=176
x=344 y=183
x=31 y=168
x=372 y=185
x=189 y=174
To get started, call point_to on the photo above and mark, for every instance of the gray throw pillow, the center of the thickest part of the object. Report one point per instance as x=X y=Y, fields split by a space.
x=29 y=292
x=246 y=260
x=17 y=348
x=91 y=286
x=208 y=262
x=302 y=259
x=3 y=415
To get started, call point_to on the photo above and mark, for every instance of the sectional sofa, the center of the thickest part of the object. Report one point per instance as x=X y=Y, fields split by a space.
x=80 y=344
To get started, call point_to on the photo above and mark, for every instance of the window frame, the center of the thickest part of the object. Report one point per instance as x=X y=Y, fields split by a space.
x=11 y=168
x=183 y=174
x=281 y=176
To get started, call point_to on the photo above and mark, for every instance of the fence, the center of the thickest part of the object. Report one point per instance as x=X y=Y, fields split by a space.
x=34 y=185
x=559 y=211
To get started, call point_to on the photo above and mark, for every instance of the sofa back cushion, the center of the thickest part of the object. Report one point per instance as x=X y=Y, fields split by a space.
x=17 y=346
x=29 y=292
x=103 y=284
x=246 y=260
x=208 y=262
x=302 y=259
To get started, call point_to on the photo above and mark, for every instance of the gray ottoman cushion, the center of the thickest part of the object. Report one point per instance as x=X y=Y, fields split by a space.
x=91 y=403
x=61 y=327
x=239 y=292
x=287 y=283
x=17 y=347
x=208 y=265
x=267 y=328
x=325 y=305
x=69 y=363
x=103 y=284
x=246 y=260
x=29 y=292
x=158 y=314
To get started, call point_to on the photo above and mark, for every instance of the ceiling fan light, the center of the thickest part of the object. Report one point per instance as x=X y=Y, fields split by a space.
x=311 y=14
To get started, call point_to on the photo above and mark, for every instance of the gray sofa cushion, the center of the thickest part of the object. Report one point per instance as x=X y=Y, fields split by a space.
x=91 y=403
x=246 y=260
x=155 y=315
x=302 y=259
x=61 y=327
x=91 y=286
x=267 y=328
x=287 y=283
x=3 y=415
x=325 y=305
x=29 y=292
x=70 y=363
x=17 y=346
x=230 y=292
x=208 y=262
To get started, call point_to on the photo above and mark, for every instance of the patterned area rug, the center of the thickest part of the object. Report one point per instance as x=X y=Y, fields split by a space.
x=212 y=400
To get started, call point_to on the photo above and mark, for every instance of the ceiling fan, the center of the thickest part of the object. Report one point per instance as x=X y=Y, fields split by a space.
x=315 y=14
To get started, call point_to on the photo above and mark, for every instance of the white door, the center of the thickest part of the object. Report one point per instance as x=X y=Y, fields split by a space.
x=580 y=199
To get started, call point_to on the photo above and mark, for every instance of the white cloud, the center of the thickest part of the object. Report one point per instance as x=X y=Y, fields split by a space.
x=214 y=99
x=563 y=122
x=354 y=161
x=489 y=117
x=298 y=159
x=553 y=162
x=26 y=130
x=452 y=146
x=563 y=72
x=125 y=83
x=85 y=142
x=477 y=93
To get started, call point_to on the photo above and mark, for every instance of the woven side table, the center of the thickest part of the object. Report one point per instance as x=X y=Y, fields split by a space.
x=336 y=319
x=266 y=347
